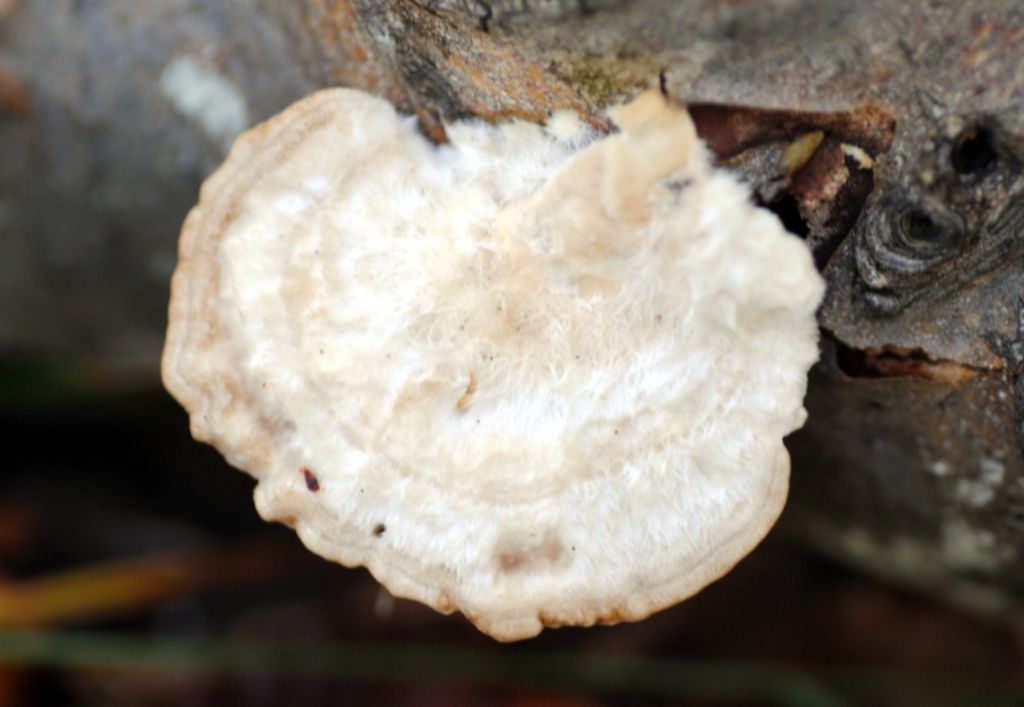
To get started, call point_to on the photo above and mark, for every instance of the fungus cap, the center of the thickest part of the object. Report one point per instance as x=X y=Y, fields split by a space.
x=536 y=375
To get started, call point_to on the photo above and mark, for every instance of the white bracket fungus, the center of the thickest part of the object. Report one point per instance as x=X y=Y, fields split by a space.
x=535 y=375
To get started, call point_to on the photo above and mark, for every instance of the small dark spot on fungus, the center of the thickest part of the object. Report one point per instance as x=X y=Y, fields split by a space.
x=312 y=483
x=516 y=554
x=678 y=186
x=379 y=530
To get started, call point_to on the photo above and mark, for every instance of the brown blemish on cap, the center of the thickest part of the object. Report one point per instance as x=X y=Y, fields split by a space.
x=312 y=483
x=516 y=553
x=463 y=402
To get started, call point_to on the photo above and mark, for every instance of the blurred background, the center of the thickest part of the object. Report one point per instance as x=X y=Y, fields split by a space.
x=133 y=567
x=136 y=572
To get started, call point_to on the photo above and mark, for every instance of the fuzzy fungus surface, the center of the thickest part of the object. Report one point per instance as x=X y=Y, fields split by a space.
x=537 y=375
